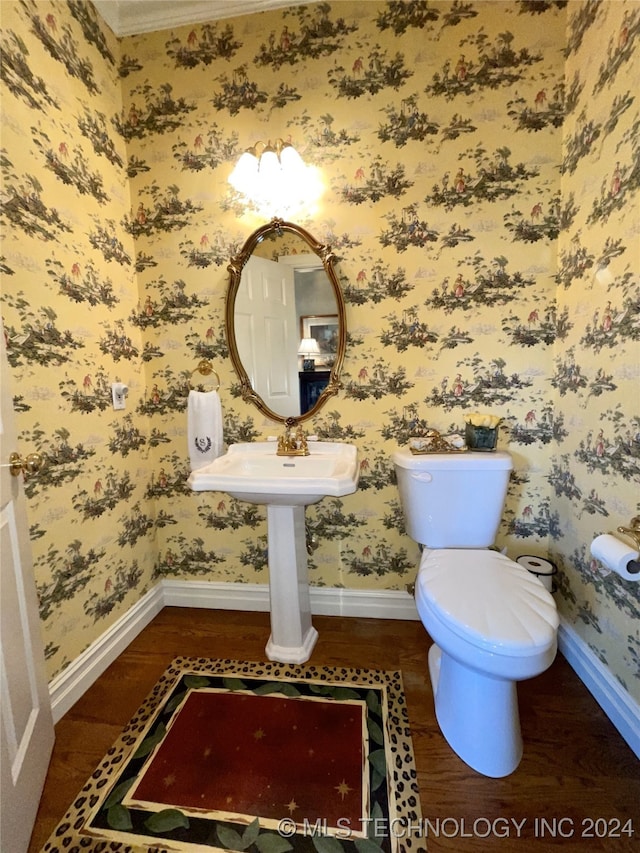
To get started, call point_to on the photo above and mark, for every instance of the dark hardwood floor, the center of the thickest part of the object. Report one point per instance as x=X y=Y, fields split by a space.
x=577 y=788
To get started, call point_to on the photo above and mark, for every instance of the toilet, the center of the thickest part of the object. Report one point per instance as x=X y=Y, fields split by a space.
x=492 y=622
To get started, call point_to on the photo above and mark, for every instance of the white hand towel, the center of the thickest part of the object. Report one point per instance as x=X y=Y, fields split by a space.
x=204 y=427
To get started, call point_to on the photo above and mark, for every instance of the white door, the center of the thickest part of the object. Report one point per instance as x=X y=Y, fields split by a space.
x=26 y=724
x=267 y=333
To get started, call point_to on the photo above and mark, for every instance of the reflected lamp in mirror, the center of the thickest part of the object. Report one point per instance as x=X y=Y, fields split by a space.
x=308 y=349
x=275 y=179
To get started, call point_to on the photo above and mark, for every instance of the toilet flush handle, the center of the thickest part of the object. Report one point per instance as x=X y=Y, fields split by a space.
x=422 y=477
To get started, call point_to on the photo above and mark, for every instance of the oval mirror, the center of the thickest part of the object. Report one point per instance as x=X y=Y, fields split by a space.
x=285 y=321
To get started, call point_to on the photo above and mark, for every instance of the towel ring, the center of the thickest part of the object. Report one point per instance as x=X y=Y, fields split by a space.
x=205 y=368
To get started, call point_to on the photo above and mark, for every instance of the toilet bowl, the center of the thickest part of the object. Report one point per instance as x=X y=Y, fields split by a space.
x=493 y=623
x=502 y=630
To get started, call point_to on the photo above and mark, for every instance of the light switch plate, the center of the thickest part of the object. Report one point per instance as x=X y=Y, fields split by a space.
x=118 y=395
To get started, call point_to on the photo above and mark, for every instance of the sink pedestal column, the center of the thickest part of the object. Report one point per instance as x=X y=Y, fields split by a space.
x=292 y=634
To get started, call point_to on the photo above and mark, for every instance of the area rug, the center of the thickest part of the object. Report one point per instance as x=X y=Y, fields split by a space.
x=255 y=757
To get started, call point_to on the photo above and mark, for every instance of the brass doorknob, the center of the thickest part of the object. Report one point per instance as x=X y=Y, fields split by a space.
x=30 y=464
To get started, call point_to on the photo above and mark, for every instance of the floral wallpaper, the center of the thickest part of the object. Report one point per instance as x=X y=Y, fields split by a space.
x=594 y=469
x=480 y=165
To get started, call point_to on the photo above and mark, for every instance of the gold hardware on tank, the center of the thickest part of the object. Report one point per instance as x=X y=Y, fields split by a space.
x=432 y=442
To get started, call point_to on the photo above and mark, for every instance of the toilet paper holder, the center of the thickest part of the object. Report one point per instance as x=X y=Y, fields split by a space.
x=633 y=531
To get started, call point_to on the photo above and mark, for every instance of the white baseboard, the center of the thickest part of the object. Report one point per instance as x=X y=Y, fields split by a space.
x=216 y=595
x=363 y=603
x=615 y=701
x=67 y=687
x=325 y=601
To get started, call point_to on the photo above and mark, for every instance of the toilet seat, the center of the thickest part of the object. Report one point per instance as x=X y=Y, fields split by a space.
x=488 y=600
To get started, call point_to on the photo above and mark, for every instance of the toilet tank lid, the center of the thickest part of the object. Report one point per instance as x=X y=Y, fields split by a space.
x=466 y=461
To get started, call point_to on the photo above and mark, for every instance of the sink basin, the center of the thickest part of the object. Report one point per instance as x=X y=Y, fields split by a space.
x=253 y=472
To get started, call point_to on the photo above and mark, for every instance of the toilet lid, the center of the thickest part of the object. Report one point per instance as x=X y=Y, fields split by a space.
x=488 y=599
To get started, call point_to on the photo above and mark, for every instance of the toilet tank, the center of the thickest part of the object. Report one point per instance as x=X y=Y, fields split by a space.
x=452 y=500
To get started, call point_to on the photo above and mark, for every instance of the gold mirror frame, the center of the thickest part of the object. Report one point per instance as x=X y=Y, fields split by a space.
x=237 y=264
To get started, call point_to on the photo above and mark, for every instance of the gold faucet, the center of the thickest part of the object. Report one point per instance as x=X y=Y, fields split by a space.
x=293 y=442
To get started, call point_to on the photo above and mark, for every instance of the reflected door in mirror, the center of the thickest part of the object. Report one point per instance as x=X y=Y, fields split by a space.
x=267 y=334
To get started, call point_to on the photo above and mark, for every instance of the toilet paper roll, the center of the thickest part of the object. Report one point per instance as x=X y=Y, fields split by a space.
x=617 y=556
x=543 y=569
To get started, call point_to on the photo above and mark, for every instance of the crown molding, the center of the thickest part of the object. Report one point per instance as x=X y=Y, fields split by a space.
x=130 y=17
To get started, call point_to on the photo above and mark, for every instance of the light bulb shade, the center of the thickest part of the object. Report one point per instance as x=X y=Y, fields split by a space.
x=291 y=160
x=269 y=166
x=308 y=346
x=245 y=174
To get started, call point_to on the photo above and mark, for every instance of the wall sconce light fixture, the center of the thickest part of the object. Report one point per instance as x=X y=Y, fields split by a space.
x=307 y=349
x=274 y=177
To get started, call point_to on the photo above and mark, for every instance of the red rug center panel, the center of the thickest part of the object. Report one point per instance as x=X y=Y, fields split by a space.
x=265 y=756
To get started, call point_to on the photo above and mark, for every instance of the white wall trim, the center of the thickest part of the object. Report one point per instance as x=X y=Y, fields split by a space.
x=130 y=17
x=216 y=595
x=363 y=603
x=325 y=601
x=69 y=685
x=615 y=701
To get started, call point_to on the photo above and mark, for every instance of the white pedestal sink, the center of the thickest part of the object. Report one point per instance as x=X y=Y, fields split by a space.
x=253 y=472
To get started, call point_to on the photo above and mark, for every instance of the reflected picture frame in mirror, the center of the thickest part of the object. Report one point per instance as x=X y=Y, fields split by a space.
x=323 y=329
x=262 y=243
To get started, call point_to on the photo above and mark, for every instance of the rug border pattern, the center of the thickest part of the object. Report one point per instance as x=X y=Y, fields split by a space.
x=402 y=787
